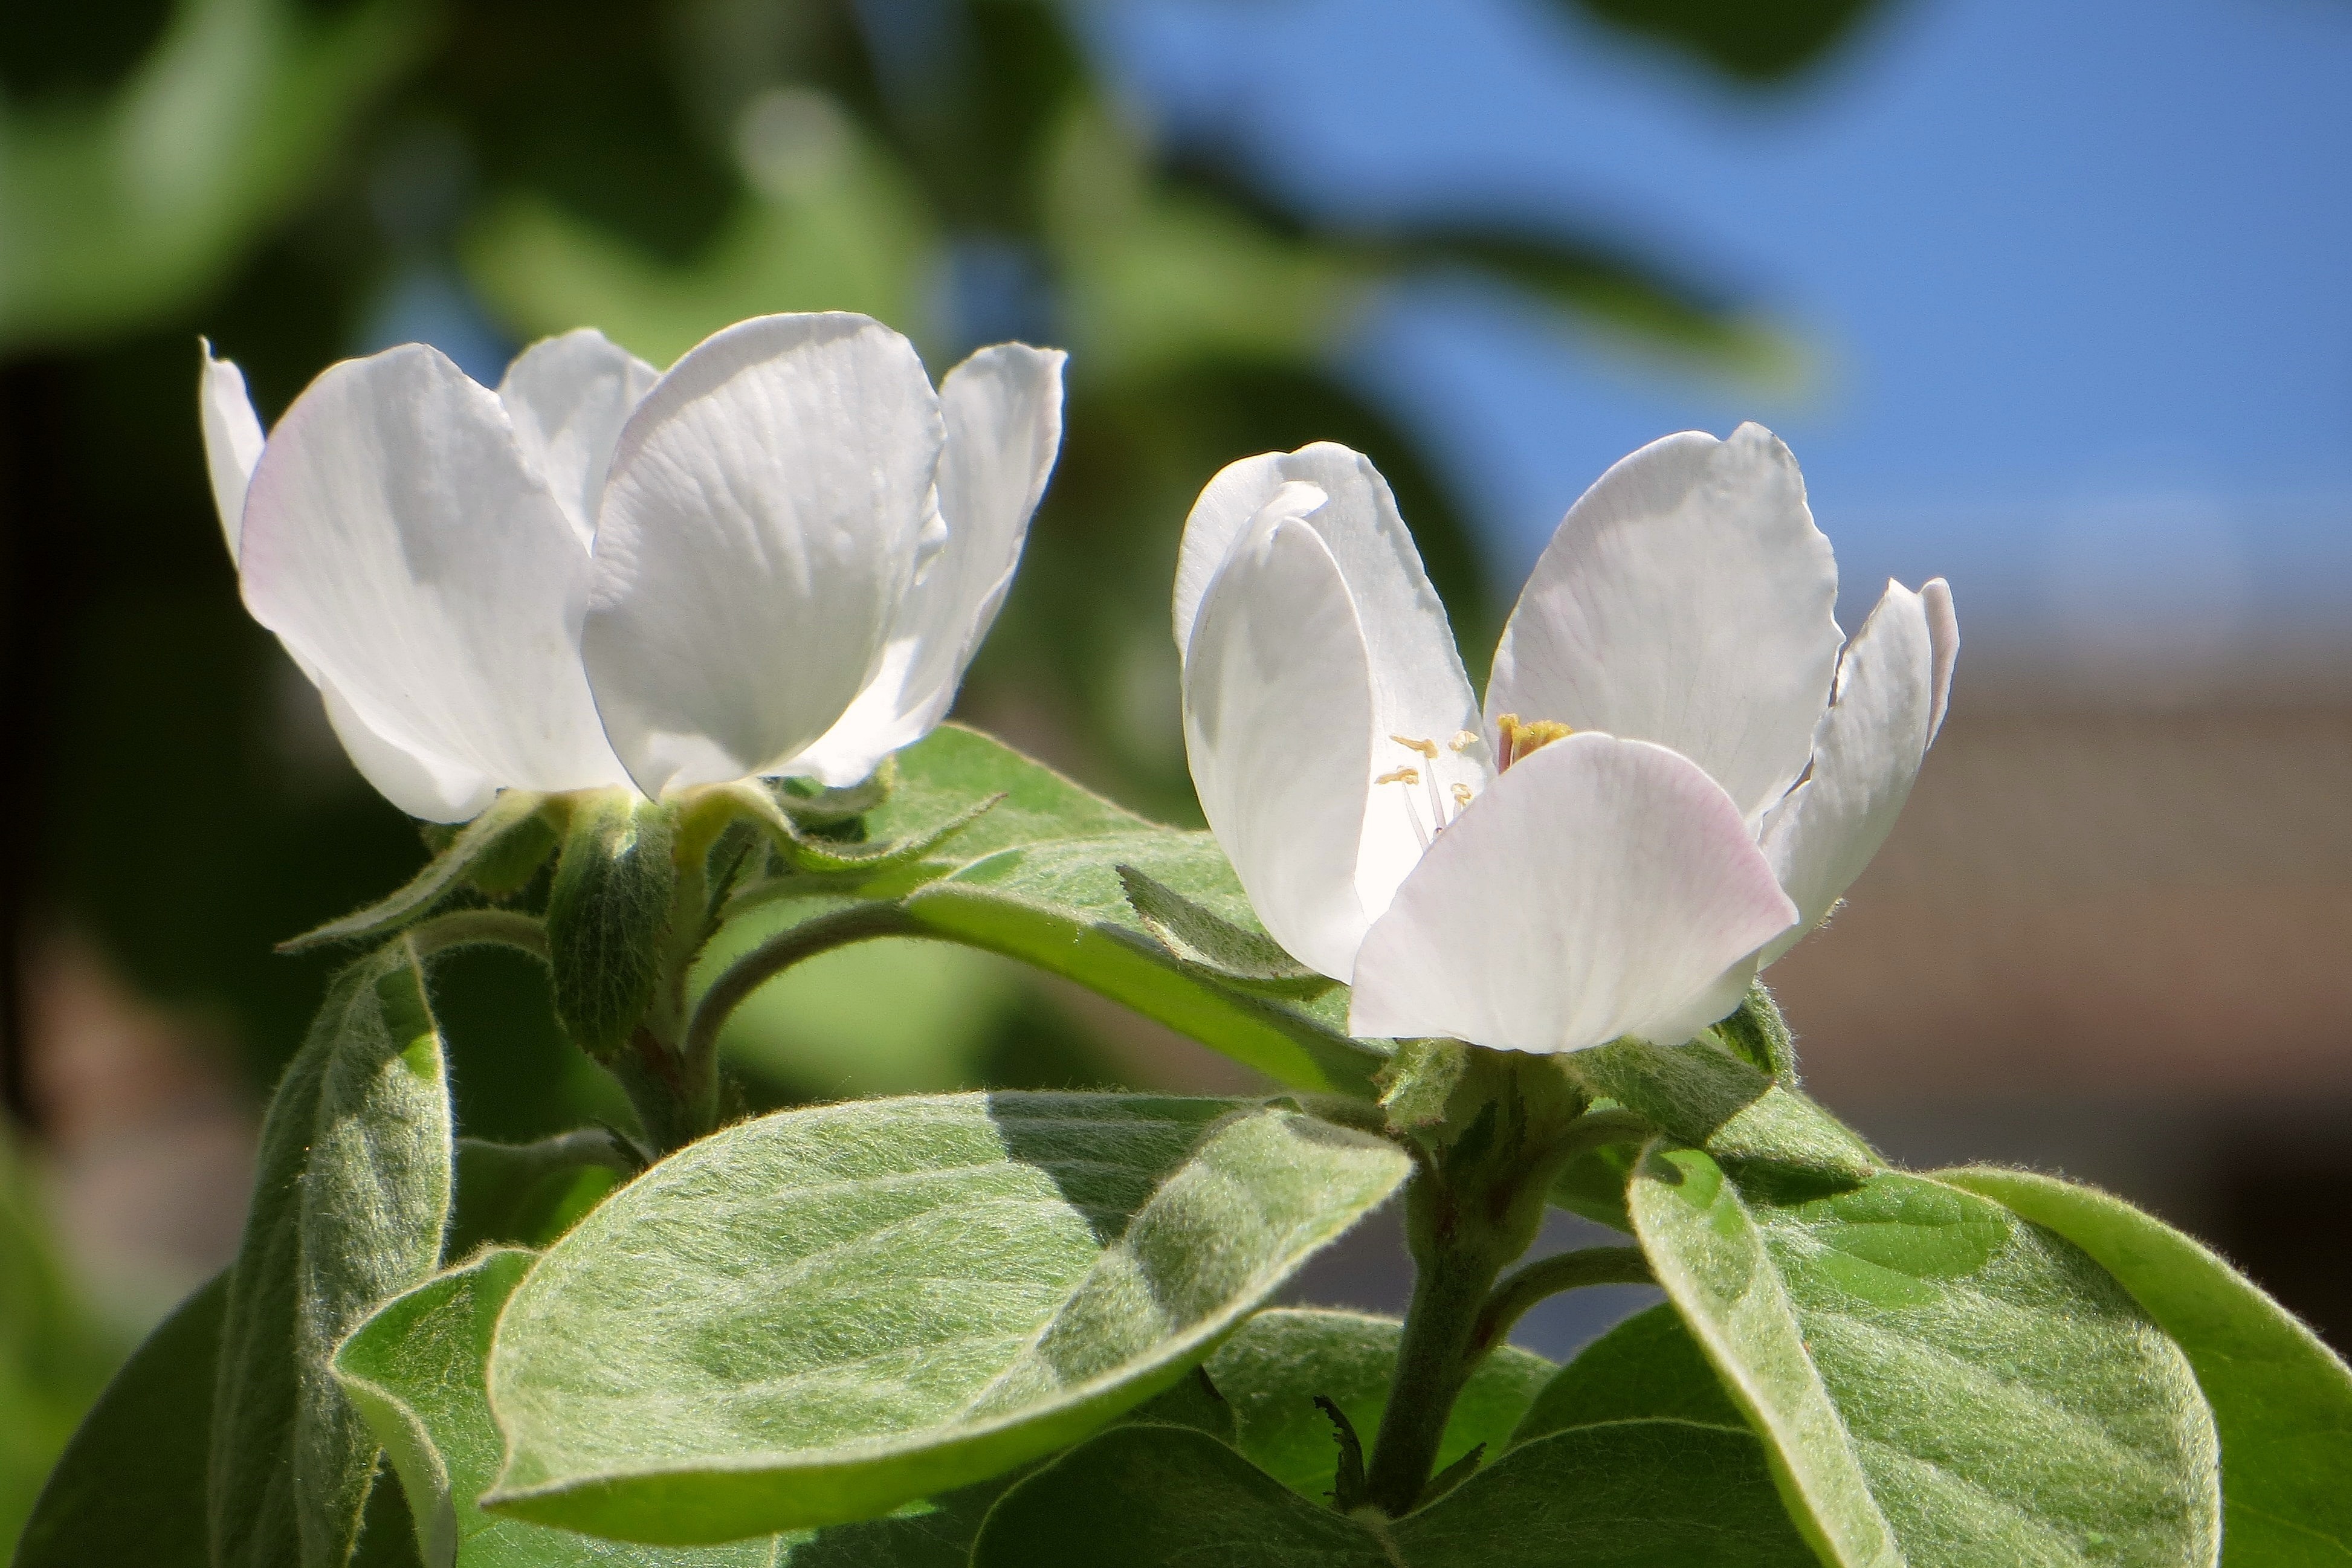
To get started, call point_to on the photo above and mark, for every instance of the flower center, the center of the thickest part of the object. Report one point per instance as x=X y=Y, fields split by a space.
x=1445 y=806
x=1519 y=740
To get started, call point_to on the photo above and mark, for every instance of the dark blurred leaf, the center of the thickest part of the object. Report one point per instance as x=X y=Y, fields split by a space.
x=527 y=1194
x=130 y=1488
x=1754 y=40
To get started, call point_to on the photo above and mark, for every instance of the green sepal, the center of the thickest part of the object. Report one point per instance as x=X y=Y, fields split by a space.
x=608 y=917
x=129 y=1487
x=867 y=1304
x=350 y=1197
x=1418 y=1082
x=492 y=849
x=2282 y=1400
x=819 y=855
x=1699 y=1093
x=1202 y=937
x=1759 y=1036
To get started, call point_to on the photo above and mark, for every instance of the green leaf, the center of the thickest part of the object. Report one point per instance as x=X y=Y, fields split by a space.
x=607 y=914
x=415 y=1371
x=1759 y=1036
x=528 y=1194
x=1647 y=1368
x=350 y=1200
x=1700 y=1093
x=1063 y=907
x=1272 y=1372
x=130 y=1488
x=2282 y=1400
x=942 y=775
x=508 y=829
x=819 y=1315
x=1640 y=1494
x=1200 y=936
x=1939 y=1382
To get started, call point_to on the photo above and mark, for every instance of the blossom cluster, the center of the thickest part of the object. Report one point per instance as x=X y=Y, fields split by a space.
x=778 y=558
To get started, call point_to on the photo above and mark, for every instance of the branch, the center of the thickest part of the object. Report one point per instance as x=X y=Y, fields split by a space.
x=1551 y=1276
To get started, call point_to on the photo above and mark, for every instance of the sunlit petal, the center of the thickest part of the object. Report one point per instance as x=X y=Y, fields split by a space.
x=425 y=788
x=1871 y=744
x=1601 y=887
x=397 y=541
x=1688 y=600
x=1278 y=727
x=1003 y=409
x=568 y=397
x=232 y=441
x=759 y=526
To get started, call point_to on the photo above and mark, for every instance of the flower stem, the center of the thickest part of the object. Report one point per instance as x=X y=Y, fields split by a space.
x=478 y=927
x=1548 y=1277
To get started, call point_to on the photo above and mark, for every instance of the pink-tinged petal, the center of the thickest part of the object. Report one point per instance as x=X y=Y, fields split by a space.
x=1279 y=726
x=1003 y=409
x=762 y=523
x=1600 y=888
x=1871 y=744
x=1420 y=691
x=1944 y=636
x=1688 y=600
x=569 y=396
x=233 y=441
x=427 y=789
x=410 y=559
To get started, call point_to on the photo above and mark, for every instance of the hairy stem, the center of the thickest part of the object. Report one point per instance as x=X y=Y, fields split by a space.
x=1548 y=1277
x=1436 y=1351
x=860 y=923
x=478 y=927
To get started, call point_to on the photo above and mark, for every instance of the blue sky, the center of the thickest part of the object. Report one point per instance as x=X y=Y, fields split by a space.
x=2075 y=279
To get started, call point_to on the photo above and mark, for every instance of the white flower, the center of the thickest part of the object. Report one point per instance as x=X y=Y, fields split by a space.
x=777 y=559
x=1660 y=797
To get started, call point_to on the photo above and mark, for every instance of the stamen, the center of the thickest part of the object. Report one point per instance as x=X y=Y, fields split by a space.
x=1507 y=731
x=1428 y=749
x=1463 y=740
x=1438 y=817
x=1461 y=797
x=1521 y=739
x=1401 y=776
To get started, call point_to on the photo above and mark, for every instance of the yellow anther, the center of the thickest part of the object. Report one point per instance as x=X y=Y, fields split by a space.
x=1463 y=740
x=1461 y=795
x=1426 y=748
x=1520 y=738
x=1401 y=776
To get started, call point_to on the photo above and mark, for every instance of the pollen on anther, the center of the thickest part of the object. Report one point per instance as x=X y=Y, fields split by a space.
x=1401 y=776
x=1461 y=796
x=1426 y=748
x=1463 y=740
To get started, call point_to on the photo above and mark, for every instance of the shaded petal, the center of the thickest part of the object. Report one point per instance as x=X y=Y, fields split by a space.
x=1003 y=412
x=1601 y=887
x=1277 y=727
x=410 y=559
x=232 y=440
x=1944 y=635
x=1420 y=690
x=761 y=524
x=1871 y=744
x=568 y=397
x=425 y=788
x=1688 y=600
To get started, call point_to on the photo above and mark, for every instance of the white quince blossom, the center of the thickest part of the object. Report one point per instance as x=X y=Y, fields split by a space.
x=774 y=560
x=1674 y=777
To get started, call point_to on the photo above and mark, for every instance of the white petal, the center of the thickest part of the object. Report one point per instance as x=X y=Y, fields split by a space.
x=425 y=788
x=1688 y=600
x=1943 y=633
x=1601 y=887
x=398 y=543
x=1419 y=688
x=232 y=441
x=569 y=397
x=761 y=524
x=1003 y=409
x=1277 y=727
x=1871 y=744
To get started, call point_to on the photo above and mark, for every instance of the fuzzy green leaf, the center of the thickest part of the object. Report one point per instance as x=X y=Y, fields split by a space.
x=941 y=776
x=1272 y=1372
x=1647 y=1368
x=1200 y=935
x=508 y=831
x=129 y=1487
x=1640 y=1494
x=607 y=914
x=2282 y=1400
x=1063 y=907
x=351 y=1198
x=819 y=1315
x=1700 y=1093
x=1941 y=1384
x=415 y=1371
